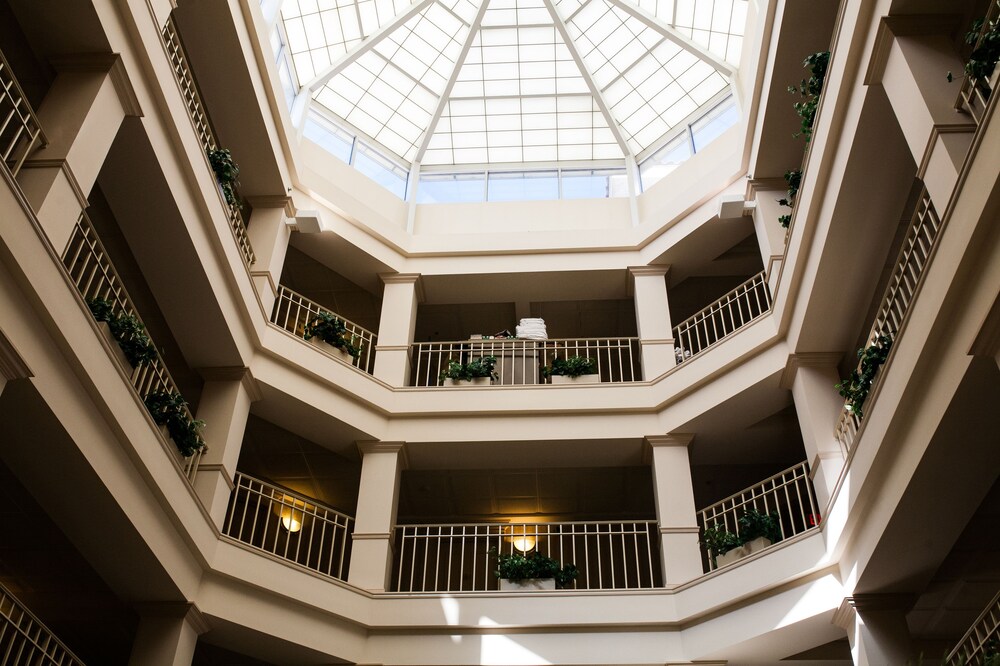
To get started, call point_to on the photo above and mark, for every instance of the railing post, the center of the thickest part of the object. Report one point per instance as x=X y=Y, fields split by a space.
x=876 y=628
x=652 y=314
x=675 y=508
x=224 y=406
x=269 y=233
x=396 y=326
x=811 y=379
x=167 y=635
x=916 y=52
x=372 y=547
x=770 y=234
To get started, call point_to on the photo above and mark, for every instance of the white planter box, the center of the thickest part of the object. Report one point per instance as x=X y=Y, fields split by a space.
x=527 y=584
x=738 y=553
x=757 y=545
x=325 y=346
x=106 y=330
x=580 y=379
x=475 y=381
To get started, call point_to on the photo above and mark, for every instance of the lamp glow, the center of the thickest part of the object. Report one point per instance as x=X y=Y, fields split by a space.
x=290 y=510
x=290 y=522
x=523 y=543
x=520 y=537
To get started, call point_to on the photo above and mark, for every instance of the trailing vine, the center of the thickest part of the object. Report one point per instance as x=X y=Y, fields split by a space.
x=332 y=330
x=127 y=331
x=856 y=387
x=986 y=51
x=794 y=180
x=809 y=90
x=169 y=409
x=226 y=173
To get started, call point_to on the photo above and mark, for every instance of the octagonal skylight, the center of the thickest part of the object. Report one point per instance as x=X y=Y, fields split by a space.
x=473 y=82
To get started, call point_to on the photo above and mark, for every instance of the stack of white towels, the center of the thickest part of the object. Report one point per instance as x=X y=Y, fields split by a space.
x=532 y=329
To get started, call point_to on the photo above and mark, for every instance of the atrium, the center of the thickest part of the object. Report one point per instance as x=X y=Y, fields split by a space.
x=514 y=332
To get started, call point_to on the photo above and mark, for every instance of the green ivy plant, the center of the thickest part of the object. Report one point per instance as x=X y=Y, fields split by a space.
x=754 y=524
x=719 y=541
x=480 y=367
x=226 y=172
x=793 y=179
x=331 y=329
x=517 y=566
x=856 y=387
x=573 y=366
x=809 y=91
x=986 y=52
x=127 y=331
x=169 y=409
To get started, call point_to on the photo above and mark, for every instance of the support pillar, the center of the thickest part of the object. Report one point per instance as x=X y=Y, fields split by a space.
x=12 y=366
x=371 y=548
x=396 y=326
x=876 y=628
x=675 y=509
x=80 y=116
x=167 y=635
x=224 y=406
x=652 y=314
x=269 y=233
x=770 y=233
x=914 y=51
x=811 y=378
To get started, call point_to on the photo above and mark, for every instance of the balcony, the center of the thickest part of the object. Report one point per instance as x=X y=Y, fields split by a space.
x=974 y=95
x=981 y=644
x=20 y=133
x=24 y=639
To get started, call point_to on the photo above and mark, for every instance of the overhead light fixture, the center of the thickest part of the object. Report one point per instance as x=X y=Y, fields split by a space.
x=521 y=537
x=291 y=511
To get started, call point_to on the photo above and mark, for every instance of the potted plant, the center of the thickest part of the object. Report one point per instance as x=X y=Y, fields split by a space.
x=168 y=410
x=477 y=372
x=757 y=531
x=573 y=370
x=226 y=173
x=532 y=571
x=328 y=329
x=134 y=346
x=856 y=387
x=721 y=544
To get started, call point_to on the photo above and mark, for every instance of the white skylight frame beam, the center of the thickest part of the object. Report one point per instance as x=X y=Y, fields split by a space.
x=367 y=44
x=446 y=94
x=602 y=104
x=676 y=37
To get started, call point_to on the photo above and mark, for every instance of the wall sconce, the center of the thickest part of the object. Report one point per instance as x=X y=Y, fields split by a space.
x=290 y=510
x=522 y=537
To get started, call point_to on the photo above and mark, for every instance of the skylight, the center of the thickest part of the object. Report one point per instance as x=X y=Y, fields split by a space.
x=482 y=82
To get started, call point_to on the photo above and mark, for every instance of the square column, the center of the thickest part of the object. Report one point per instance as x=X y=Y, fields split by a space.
x=168 y=633
x=396 y=326
x=224 y=406
x=81 y=115
x=269 y=233
x=675 y=509
x=811 y=378
x=371 y=547
x=12 y=366
x=770 y=233
x=876 y=628
x=652 y=315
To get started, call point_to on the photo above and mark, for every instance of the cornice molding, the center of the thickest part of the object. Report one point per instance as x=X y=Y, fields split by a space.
x=12 y=365
x=62 y=165
x=371 y=536
x=936 y=131
x=909 y=25
x=233 y=373
x=671 y=439
x=680 y=530
x=654 y=271
x=221 y=470
x=109 y=63
x=399 y=448
x=404 y=278
x=757 y=186
x=273 y=201
x=184 y=610
x=807 y=360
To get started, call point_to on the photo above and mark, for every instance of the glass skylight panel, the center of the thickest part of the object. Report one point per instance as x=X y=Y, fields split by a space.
x=717 y=25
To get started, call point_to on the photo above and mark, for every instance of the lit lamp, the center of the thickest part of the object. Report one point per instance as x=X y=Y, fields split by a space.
x=520 y=537
x=290 y=510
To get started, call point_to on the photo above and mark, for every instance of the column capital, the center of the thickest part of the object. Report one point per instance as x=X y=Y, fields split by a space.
x=807 y=360
x=181 y=610
x=273 y=201
x=757 y=186
x=404 y=278
x=375 y=446
x=109 y=63
x=646 y=271
x=12 y=365
x=859 y=604
x=671 y=439
x=233 y=373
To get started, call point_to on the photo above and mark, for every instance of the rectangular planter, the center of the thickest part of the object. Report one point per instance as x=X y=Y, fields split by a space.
x=507 y=585
x=115 y=347
x=337 y=352
x=475 y=381
x=580 y=379
x=740 y=552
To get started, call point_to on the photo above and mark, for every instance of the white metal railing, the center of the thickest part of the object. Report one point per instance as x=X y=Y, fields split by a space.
x=456 y=558
x=723 y=317
x=520 y=362
x=904 y=282
x=90 y=268
x=981 y=640
x=293 y=312
x=289 y=525
x=788 y=494
x=975 y=93
x=20 y=133
x=26 y=641
x=202 y=127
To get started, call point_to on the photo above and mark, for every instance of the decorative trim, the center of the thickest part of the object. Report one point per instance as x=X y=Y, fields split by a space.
x=270 y=280
x=371 y=536
x=843 y=617
x=807 y=360
x=891 y=27
x=380 y=348
x=405 y=278
x=273 y=201
x=655 y=342
x=881 y=602
x=221 y=469
x=62 y=165
x=12 y=365
x=233 y=373
x=679 y=530
x=757 y=186
x=936 y=131
x=399 y=448
x=185 y=610
x=672 y=439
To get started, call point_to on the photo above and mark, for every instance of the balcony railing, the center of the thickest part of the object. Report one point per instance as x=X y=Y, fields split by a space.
x=727 y=315
x=90 y=268
x=289 y=525
x=520 y=362
x=20 y=133
x=202 y=127
x=981 y=640
x=904 y=283
x=789 y=495
x=457 y=558
x=25 y=641
x=293 y=312
x=975 y=93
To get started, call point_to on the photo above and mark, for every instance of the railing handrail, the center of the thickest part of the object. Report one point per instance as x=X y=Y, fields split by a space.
x=804 y=464
x=630 y=338
x=729 y=296
x=39 y=132
x=287 y=492
x=531 y=522
x=282 y=289
x=6 y=615
x=992 y=607
x=968 y=90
